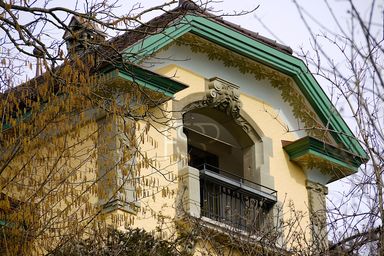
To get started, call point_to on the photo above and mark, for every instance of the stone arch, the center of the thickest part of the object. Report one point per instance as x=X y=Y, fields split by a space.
x=222 y=96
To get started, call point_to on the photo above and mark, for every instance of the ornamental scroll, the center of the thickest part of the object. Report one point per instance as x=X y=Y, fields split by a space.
x=224 y=97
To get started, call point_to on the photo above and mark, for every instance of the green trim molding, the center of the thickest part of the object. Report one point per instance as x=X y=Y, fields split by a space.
x=310 y=152
x=288 y=67
x=121 y=76
x=145 y=78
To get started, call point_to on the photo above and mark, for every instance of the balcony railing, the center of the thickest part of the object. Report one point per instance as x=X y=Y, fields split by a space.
x=233 y=200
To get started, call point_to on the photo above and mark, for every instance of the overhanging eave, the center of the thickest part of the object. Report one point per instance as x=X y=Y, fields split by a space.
x=145 y=78
x=310 y=152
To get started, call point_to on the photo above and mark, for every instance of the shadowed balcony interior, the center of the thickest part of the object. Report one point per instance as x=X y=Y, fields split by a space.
x=224 y=154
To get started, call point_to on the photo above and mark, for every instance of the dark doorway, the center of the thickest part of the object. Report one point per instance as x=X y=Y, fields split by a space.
x=198 y=157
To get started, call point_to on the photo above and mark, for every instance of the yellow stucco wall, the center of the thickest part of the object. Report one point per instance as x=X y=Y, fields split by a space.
x=289 y=178
x=56 y=178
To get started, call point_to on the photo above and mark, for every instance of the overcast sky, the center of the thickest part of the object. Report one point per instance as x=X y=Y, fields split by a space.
x=280 y=18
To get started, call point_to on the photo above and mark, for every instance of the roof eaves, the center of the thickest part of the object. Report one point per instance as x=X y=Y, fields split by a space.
x=160 y=22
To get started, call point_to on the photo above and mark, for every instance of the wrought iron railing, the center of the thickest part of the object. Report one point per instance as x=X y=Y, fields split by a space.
x=233 y=200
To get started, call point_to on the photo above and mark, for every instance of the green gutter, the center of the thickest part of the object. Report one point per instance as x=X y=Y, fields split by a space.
x=309 y=146
x=135 y=74
x=146 y=78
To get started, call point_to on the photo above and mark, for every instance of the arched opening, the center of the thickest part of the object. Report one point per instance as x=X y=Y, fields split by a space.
x=216 y=140
x=225 y=156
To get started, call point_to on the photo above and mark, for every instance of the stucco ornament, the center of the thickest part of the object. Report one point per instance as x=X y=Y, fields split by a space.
x=224 y=96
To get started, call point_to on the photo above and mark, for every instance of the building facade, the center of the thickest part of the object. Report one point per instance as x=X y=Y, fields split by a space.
x=244 y=141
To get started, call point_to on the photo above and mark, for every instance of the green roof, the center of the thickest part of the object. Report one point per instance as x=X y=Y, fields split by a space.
x=240 y=43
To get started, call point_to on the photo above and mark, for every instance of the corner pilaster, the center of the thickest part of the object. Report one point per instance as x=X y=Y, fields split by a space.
x=115 y=161
x=190 y=189
x=317 y=210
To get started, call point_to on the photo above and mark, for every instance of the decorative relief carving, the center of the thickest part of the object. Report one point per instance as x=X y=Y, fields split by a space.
x=324 y=166
x=224 y=96
x=317 y=208
x=244 y=125
x=195 y=105
x=316 y=187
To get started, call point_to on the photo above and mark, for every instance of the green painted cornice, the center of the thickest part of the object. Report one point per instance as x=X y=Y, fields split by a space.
x=145 y=78
x=244 y=45
x=310 y=152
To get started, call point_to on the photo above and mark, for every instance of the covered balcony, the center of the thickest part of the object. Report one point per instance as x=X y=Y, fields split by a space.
x=233 y=200
x=224 y=172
